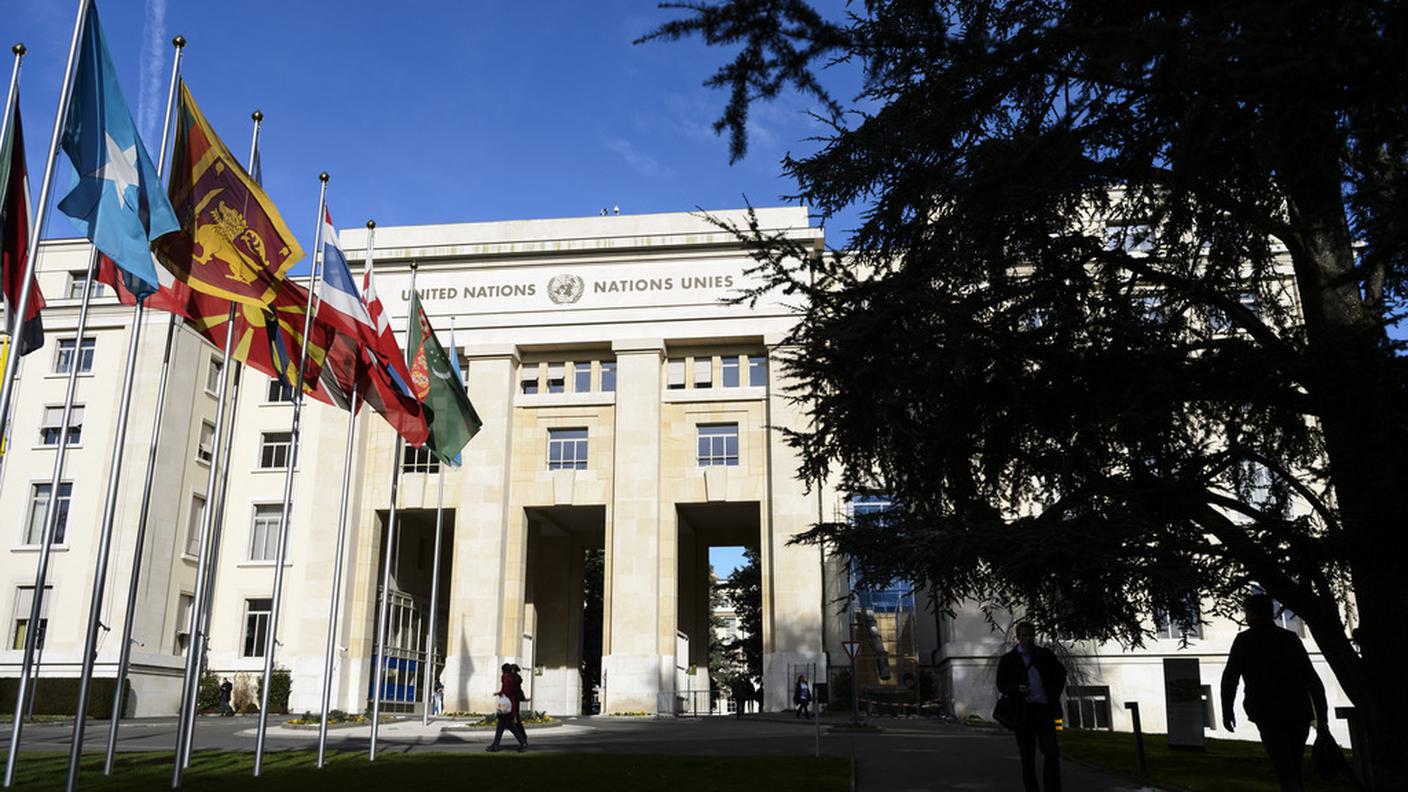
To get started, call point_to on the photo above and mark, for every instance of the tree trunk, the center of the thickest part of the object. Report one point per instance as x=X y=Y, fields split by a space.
x=1361 y=405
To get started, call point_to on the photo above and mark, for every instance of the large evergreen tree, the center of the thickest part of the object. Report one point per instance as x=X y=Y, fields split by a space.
x=1113 y=330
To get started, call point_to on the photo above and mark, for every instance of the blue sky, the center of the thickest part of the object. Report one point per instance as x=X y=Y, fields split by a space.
x=432 y=112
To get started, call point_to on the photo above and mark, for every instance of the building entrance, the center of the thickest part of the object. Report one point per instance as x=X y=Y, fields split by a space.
x=561 y=643
x=408 y=617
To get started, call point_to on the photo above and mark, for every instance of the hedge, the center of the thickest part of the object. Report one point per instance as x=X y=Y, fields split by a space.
x=59 y=695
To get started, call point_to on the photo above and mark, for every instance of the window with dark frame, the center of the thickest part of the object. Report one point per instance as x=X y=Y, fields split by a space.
x=205 y=443
x=419 y=460
x=567 y=449
x=757 y=371
x=193 y=524
x=608 y=376
x=1173 y=629
x=24 y=605
x=274 y=449
x=582 y=377
x=212 y=374
x=278 y=392
x=52 y=425
x=557 y=377
x=718 y=445
x=728 y=371
x=1088 y=707
x=256 y=626
x=528 y=378
x=63 y=357
x=77 y=279
x=38 y=509
x=264 y=532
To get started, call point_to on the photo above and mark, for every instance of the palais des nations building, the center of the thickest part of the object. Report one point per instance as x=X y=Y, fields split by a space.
x=626 y=412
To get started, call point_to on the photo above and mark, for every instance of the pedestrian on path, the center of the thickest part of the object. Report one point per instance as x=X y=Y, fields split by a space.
x=437 y=701
x=802 y=697
x=1034 y=676
x=1283 y=690
x=509 y=694
x=742 y=691
x=226 y=690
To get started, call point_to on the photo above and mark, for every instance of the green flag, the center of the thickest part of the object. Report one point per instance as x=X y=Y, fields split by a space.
x=453 y=420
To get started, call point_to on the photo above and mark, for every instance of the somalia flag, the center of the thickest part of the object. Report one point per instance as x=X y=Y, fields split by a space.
x=118 y=202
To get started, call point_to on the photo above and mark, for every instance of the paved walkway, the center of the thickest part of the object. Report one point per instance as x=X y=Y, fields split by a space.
x=905 y=756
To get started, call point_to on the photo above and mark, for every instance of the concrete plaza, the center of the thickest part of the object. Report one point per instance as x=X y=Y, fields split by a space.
x=905 y=755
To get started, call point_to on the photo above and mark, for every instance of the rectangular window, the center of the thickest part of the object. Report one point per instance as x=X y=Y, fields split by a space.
x=557 y=377
x=718 y=444
x=63 y=358
x=529 y=378
x=274 y=449
x=1132 y=238
x=757 y=371
x=76 y=281
x=184 y=603
x=1175 y=628
x=418 y=460
x=567 y=449
x=674 y=374
x=729 y=371
x=264 y=533
x=278 y=392
x=212 y=375
x=703 y=372
x=608 y=376
x=38 y=510
x=256 y=626
x=582 y=377
x=53 y=423
x=193 y=524
x=1087 y=707
x=24 y=603
x=205 y=444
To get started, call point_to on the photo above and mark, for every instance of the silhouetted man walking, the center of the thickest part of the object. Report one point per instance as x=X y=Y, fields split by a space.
x=1033 y=675
x=1283 y=690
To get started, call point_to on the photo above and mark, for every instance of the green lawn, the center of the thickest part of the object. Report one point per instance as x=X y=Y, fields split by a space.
x=1226 y=766
x=294 y=770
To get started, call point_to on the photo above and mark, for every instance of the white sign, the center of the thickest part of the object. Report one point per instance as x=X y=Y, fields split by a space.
x=493 y=290
x=851 y=648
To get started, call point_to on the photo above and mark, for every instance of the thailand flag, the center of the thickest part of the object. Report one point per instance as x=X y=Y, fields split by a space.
x=339 y=303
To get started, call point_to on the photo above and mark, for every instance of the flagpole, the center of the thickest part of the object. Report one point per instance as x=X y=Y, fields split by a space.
x=294 y=431
x=19 y=50
x=435 y=582
x=379 y=659
x=51 y=521
x=188 y=682
x=206 y=560
x=335 y=599
x=200 y=638
x=20 y=308
x=100 y=573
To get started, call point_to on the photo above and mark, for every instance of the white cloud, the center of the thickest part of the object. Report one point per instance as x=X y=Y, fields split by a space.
x=637 y=160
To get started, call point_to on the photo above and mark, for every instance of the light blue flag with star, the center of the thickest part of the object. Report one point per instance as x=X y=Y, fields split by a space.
x=118 y=202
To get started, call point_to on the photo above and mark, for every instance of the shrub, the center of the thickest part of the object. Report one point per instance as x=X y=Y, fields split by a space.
x=279 y=689
x=208 y=695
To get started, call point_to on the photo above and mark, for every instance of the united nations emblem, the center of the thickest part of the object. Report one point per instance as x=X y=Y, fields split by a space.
x=565 y=289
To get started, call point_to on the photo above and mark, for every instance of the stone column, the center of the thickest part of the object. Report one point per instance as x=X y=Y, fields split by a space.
x=792 y=591
x=632 y=662
x=474 y=650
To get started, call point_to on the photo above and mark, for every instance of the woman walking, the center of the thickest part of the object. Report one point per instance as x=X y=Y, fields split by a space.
x=510 y=693
x=802 y=697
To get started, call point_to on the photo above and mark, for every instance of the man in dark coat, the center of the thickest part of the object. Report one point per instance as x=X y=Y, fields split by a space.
x=226 y=690
x=1034 y=676
x=1283 y=690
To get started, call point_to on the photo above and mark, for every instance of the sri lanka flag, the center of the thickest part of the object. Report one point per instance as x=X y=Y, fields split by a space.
x=118 y=202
